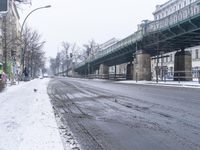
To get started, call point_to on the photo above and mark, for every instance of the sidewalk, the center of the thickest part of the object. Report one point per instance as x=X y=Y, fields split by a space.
x=188 y=84
x=27 y=120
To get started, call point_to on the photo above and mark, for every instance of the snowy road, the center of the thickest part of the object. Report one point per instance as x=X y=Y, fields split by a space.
x=107 y=115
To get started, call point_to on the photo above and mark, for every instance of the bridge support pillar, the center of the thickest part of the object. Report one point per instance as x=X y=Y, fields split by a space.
x=142 y=66
x=129 y=71
x=104 y=71
x=183 y=66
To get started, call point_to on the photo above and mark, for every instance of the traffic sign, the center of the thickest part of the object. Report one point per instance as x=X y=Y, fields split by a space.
x=3 y=6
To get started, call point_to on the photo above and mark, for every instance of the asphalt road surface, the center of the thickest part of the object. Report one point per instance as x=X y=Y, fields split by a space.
x=105 y=115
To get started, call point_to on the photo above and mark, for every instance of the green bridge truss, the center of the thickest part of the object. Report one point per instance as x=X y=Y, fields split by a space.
x=177 y=31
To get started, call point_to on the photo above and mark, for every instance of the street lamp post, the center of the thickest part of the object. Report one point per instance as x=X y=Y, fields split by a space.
x=23 y=50
x=48 y=6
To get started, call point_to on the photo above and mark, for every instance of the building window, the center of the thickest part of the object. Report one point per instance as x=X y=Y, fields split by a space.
x=196 y=54
x=174 y=8
x=190 y=51
x=162 y=60
x=196 y=10
x=175 y=18
x=171 y=70
x=170 y=57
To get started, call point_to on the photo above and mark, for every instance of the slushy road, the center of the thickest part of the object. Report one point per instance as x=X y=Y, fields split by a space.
x=107 y=115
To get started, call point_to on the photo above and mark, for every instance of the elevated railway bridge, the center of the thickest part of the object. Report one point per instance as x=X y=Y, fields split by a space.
x=175 y=32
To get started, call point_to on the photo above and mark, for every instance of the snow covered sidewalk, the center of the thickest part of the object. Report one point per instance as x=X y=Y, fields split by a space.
x=27 y=121
x=187 y=84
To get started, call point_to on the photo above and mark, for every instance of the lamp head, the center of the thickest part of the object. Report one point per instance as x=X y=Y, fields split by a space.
x=48 y=6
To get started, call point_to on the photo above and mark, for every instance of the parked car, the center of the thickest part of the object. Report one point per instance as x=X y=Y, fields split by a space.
x=45 y=75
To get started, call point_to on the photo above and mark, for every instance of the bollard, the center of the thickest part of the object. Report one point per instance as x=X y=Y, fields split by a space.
x=136 y=77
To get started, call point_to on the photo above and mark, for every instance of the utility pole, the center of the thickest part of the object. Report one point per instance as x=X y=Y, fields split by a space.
x=4 y=4
x=4 y=27
x=23 y=50
x=157 y=61
x=162 y=71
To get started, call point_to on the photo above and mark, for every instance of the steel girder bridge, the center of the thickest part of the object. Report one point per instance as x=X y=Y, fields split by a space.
x=177 y=31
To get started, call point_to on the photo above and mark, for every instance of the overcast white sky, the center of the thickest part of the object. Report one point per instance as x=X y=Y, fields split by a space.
x=82 y=20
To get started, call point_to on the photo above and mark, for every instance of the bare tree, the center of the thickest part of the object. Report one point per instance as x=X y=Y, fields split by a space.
x=65 y=56
x=64 y=59
x=36 y=58
x=90 y=48
x=53 y=66
x=58 y=62
x=32 y=54
x=69 y=55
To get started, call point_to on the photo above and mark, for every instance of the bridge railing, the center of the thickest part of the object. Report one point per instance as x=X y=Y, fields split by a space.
x=106 y=76
x=119 y=45
x=178 y=16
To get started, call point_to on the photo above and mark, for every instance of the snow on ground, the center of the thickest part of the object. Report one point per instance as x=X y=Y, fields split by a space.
x=190 y=84
x=27 y=120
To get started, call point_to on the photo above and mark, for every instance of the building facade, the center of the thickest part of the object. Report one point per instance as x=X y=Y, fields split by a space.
x=166 y=64
x=9 y=39
x=173 y=6
x=175 y=10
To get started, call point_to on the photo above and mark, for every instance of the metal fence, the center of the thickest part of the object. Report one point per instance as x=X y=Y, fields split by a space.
x=179 y=76
x=106 y=76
